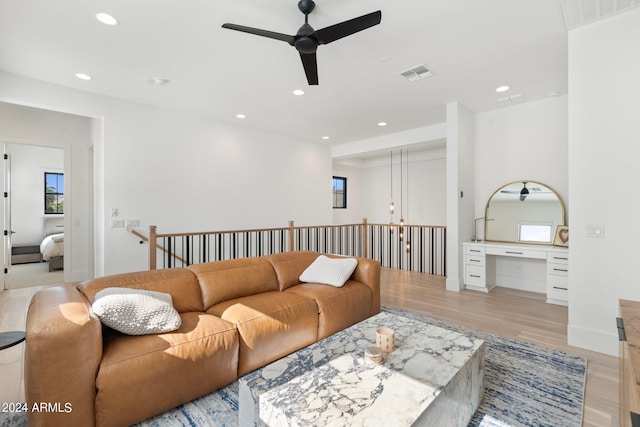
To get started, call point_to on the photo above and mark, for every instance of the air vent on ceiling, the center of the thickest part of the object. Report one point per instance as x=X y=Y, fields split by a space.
x=417 y=73
x=513 y=99
x=582 y=12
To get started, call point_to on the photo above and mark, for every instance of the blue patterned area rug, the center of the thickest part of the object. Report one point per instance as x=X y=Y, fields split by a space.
x=525 y=385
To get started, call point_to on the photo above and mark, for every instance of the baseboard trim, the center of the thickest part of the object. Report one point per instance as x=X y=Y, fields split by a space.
x=454 y=284
x=593 y=340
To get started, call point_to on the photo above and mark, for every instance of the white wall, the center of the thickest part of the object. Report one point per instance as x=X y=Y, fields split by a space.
x=21 y=125
x=524 y=142
x=28 y=165
x=423 y=188
x=356 y=186
x=185 y=173
x=460 y=191
x=604 y=149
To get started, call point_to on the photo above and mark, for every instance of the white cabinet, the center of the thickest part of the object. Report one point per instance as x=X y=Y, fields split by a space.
x=558 y=278
x=480 y=266
x=475 y=276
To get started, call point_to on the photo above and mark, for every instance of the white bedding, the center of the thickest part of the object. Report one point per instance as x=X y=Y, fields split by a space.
x=52 y=246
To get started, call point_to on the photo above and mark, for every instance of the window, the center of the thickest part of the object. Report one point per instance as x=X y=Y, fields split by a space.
x=540 y=233
x=53 y=193
x=339 y=192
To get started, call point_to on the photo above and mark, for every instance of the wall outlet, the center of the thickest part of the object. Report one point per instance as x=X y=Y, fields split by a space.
x=117 y=223
x=132 y=223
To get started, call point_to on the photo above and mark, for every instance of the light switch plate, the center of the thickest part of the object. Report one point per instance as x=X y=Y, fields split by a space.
x=595 y=230
x=117 y=223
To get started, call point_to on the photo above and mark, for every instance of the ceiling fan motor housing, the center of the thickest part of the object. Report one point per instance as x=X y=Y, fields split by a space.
x=306 y=6
x=305 y=42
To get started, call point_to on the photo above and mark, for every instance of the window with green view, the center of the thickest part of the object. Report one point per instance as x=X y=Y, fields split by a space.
x=53 y=193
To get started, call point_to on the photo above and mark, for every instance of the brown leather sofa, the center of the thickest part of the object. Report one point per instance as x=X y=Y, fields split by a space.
x=236 y=316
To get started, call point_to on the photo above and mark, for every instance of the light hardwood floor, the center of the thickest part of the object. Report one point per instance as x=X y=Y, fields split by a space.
x=510 y=313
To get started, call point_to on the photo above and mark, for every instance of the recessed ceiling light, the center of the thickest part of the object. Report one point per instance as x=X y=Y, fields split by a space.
x=298 y=92
x=502 y=88
x=325 y=137
x=107 y=19
x=159 y=81
x=83 y=76
x=382 y=123
x=241 y=116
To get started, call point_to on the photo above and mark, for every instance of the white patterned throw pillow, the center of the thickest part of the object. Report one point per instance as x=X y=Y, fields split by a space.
x=329 y=271
x=136 y=311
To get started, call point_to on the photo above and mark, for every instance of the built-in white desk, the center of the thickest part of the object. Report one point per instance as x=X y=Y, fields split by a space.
x=480 y=266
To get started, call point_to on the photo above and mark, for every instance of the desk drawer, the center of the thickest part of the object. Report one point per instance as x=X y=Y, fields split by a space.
x=557 y=269
x=517 y=252
x=558 y=257
x=474 y=259
x=474 y=250
x=474 y=275
x=558 y=288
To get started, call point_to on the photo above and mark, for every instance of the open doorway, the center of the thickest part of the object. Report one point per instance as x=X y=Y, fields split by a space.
x=34 y=215
x=72 y=136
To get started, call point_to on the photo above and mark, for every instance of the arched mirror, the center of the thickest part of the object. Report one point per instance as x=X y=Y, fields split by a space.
x=523 y=212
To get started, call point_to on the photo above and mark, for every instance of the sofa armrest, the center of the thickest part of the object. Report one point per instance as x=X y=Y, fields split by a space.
x=62 y=354
x=368 y=273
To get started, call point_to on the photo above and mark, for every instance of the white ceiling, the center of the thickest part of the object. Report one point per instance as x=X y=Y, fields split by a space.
x=471 y=46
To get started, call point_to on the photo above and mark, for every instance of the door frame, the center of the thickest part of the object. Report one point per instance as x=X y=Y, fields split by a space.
x=5 y=213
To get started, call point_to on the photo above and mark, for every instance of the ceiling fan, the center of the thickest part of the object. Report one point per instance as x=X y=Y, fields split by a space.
x=524 y=192
x=307 y=40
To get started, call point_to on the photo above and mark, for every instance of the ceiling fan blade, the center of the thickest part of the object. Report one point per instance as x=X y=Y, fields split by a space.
x=310 y=64
x=264 y=33
x=346 y=28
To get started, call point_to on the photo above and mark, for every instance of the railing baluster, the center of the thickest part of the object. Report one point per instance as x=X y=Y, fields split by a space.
x=427 y=253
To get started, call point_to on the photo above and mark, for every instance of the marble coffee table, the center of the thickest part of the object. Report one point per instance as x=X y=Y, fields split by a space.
x=433 y=377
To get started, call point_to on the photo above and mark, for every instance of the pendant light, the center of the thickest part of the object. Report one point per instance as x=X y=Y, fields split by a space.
x=408 y=242
x=392 y=208
x=401 y=227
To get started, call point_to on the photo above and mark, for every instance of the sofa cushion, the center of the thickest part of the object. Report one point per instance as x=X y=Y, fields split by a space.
x=329 y=271
x=290 y=265
x=271 y=325
x=340 y=307
x=141 y=376
x=226 y=280
x=179 y=282
x=136 y=311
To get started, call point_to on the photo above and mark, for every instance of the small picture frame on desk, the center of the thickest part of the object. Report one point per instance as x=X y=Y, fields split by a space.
x=562 y=236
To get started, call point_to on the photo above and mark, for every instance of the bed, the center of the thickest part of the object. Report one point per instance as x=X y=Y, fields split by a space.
x=52 y=246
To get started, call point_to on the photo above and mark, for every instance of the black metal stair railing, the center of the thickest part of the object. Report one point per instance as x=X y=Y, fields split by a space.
x=422 y=248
